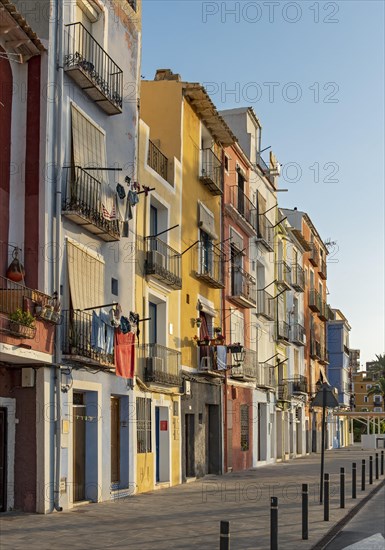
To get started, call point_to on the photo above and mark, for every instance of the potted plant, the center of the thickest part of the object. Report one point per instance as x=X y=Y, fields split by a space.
x=22 y=323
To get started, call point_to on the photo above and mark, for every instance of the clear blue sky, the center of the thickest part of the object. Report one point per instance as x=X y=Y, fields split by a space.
x=332 y=115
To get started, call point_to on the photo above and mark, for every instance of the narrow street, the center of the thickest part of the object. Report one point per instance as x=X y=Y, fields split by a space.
x=188 y=516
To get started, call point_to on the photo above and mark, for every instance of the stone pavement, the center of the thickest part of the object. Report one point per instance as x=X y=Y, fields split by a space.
x=188 y=516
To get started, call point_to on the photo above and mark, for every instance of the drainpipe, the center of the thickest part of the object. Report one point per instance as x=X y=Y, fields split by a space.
x=58 y=161
x=225 y=442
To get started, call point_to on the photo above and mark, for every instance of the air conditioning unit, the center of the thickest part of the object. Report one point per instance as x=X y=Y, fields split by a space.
x=155 y=258
x=153 y=365
x=187 y=387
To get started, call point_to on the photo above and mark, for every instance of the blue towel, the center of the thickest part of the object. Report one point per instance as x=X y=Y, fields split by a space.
x=98 y=333
x=221 y=357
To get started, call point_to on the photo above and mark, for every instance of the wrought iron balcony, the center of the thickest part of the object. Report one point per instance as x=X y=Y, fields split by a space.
x=243 y=288
x=211 y=172
x=76 y=341
x=265 y=305
x=265 y=168
x=297 y=334
x=241 y=209
x=157 y=160
x=323 y=354
x=248 y=369
x=314 y=257
x=21 y=318
x=283 y=391
x=283 y=274
x=297 y=278
x=265 y=232
x=282 y=332
x=209 y=264
x=315 y=300
x=322 y=269
x=92 y=69
x=159 y=365
x=324 y=311
x=297 y=384
x=315 y=348
x=82 y=204
x=163 y=262
x=210 y=362
x=266 y=375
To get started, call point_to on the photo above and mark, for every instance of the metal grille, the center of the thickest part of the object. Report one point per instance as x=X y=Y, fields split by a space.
x=143 y=424
x=244 y=427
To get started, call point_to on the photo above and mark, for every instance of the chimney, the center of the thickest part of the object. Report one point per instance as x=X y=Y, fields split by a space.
x=167 y=74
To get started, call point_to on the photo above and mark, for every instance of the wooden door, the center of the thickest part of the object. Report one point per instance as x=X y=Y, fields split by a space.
x=3 y=459
x=115 y=439
x=79 y=447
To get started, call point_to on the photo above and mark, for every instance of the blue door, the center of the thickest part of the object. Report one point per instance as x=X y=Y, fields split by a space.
x=157 y=427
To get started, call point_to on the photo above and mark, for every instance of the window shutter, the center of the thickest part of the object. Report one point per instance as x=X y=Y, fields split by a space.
x=207 y=221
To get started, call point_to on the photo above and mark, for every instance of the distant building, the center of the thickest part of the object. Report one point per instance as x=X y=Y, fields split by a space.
x=362 y=382
x=354 y=360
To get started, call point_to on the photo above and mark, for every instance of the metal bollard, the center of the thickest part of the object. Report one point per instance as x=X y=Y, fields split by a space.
x=273 y=523
x=342 y=487
x=382 y=463
x=377 y=476
x=326 y=497
x=354 y=480
x=224 y=540
x=370 y=470
x=363 y=475
x=305 y=511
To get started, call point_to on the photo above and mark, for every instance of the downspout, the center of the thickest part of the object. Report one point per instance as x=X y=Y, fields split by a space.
x=59 y=115
x=225 y=442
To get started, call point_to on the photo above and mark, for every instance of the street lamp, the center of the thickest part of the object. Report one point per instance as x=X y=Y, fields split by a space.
x=239 y=353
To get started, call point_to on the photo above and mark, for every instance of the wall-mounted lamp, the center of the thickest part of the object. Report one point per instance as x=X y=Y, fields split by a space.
x=198 y=322
x=238 y=352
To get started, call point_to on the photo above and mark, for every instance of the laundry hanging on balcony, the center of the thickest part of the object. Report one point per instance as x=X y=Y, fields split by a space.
x=221 y=357
x=102 y=333
x=125 y=354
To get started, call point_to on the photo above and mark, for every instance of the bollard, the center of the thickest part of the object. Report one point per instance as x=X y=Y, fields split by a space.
x=377 y=476
x=354 y=480
x=326 y=497
x=224 y=540
x=382 y=463
x=342 y=487
x=305 y=511
x=370 y=470
x=363 y=475
x=273 y=523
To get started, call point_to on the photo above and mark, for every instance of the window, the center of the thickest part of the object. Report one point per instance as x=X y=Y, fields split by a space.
x=244 y=427
x=368 y=386
x=377 y=409
x=132 y=3
x=227 y=163
x=366 y=399
x=143 y=424
x=206 y=252
x=377 y=399
x=114 y=286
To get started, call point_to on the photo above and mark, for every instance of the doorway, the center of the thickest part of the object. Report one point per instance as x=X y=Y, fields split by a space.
x=79 y=446
x=115 y=440
x=3 y=459
x=162 y=445
x=190 y=445
x=213 y=439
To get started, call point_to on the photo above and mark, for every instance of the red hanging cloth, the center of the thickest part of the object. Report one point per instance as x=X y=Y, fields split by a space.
x=203 y=331
x=125 y=354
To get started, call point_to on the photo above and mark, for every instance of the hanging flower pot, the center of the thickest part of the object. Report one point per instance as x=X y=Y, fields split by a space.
x=15 y=271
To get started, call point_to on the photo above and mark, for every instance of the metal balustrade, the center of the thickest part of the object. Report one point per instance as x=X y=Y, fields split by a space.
x=297 y=278
x=266 y=375
x=249 y=367
x=297 y=334
x=265 y=305
x=211 y=174
x=209 y=264
x=315 y=300
x=245 y=208
x=314 y=256
x=282 y=331
x=283 y=274
x=163 y=262
x=265 y=232
x=159 y=364
x=297 y=384
x=82 y=204
x=157 y=160
x=243 y=288
x=93 y=69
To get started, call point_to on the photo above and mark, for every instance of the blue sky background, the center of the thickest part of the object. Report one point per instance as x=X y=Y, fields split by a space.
x=343 y=124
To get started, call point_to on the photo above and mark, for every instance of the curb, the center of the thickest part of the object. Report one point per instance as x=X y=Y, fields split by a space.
x=337 y=528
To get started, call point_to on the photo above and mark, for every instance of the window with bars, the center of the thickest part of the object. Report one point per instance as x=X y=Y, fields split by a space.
x=143 y=424
x=244 y=427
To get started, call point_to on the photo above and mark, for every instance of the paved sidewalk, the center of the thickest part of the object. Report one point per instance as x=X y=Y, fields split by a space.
x=187 y=516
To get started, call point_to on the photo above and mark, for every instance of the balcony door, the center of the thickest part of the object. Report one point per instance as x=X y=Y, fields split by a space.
x=153 y=225
x=152 y=324
x=241 y=194
x=79 y=446
x=3 y=459
x=115 y=440
x=206 y=253
x=236 y=273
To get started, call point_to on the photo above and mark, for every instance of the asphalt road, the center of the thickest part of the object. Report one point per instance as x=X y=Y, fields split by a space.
x=366 y=530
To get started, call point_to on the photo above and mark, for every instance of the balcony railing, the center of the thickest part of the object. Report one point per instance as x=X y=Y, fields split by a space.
x=243 y=288
x=315 y=348
x=283 y=274
x=265 y=305
x=209 y=263
x=265 y=232
x=265 y=168
x=323 y=354
x=324 y=311
x=314 y=254
x=282 y=331
x=12 y=296
x=297 y=384
x=266 y=375
x=157 y=160
x=297 y=334
x=158 y=364
x=249 y=367
x=93 y=69
x=314 y=300
x=163 y=262
x=322 y=270
x=246 y=210
x=283 y=391
x=211 y=172
x=82 y=204
x=76 y=341
x=297 y=277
